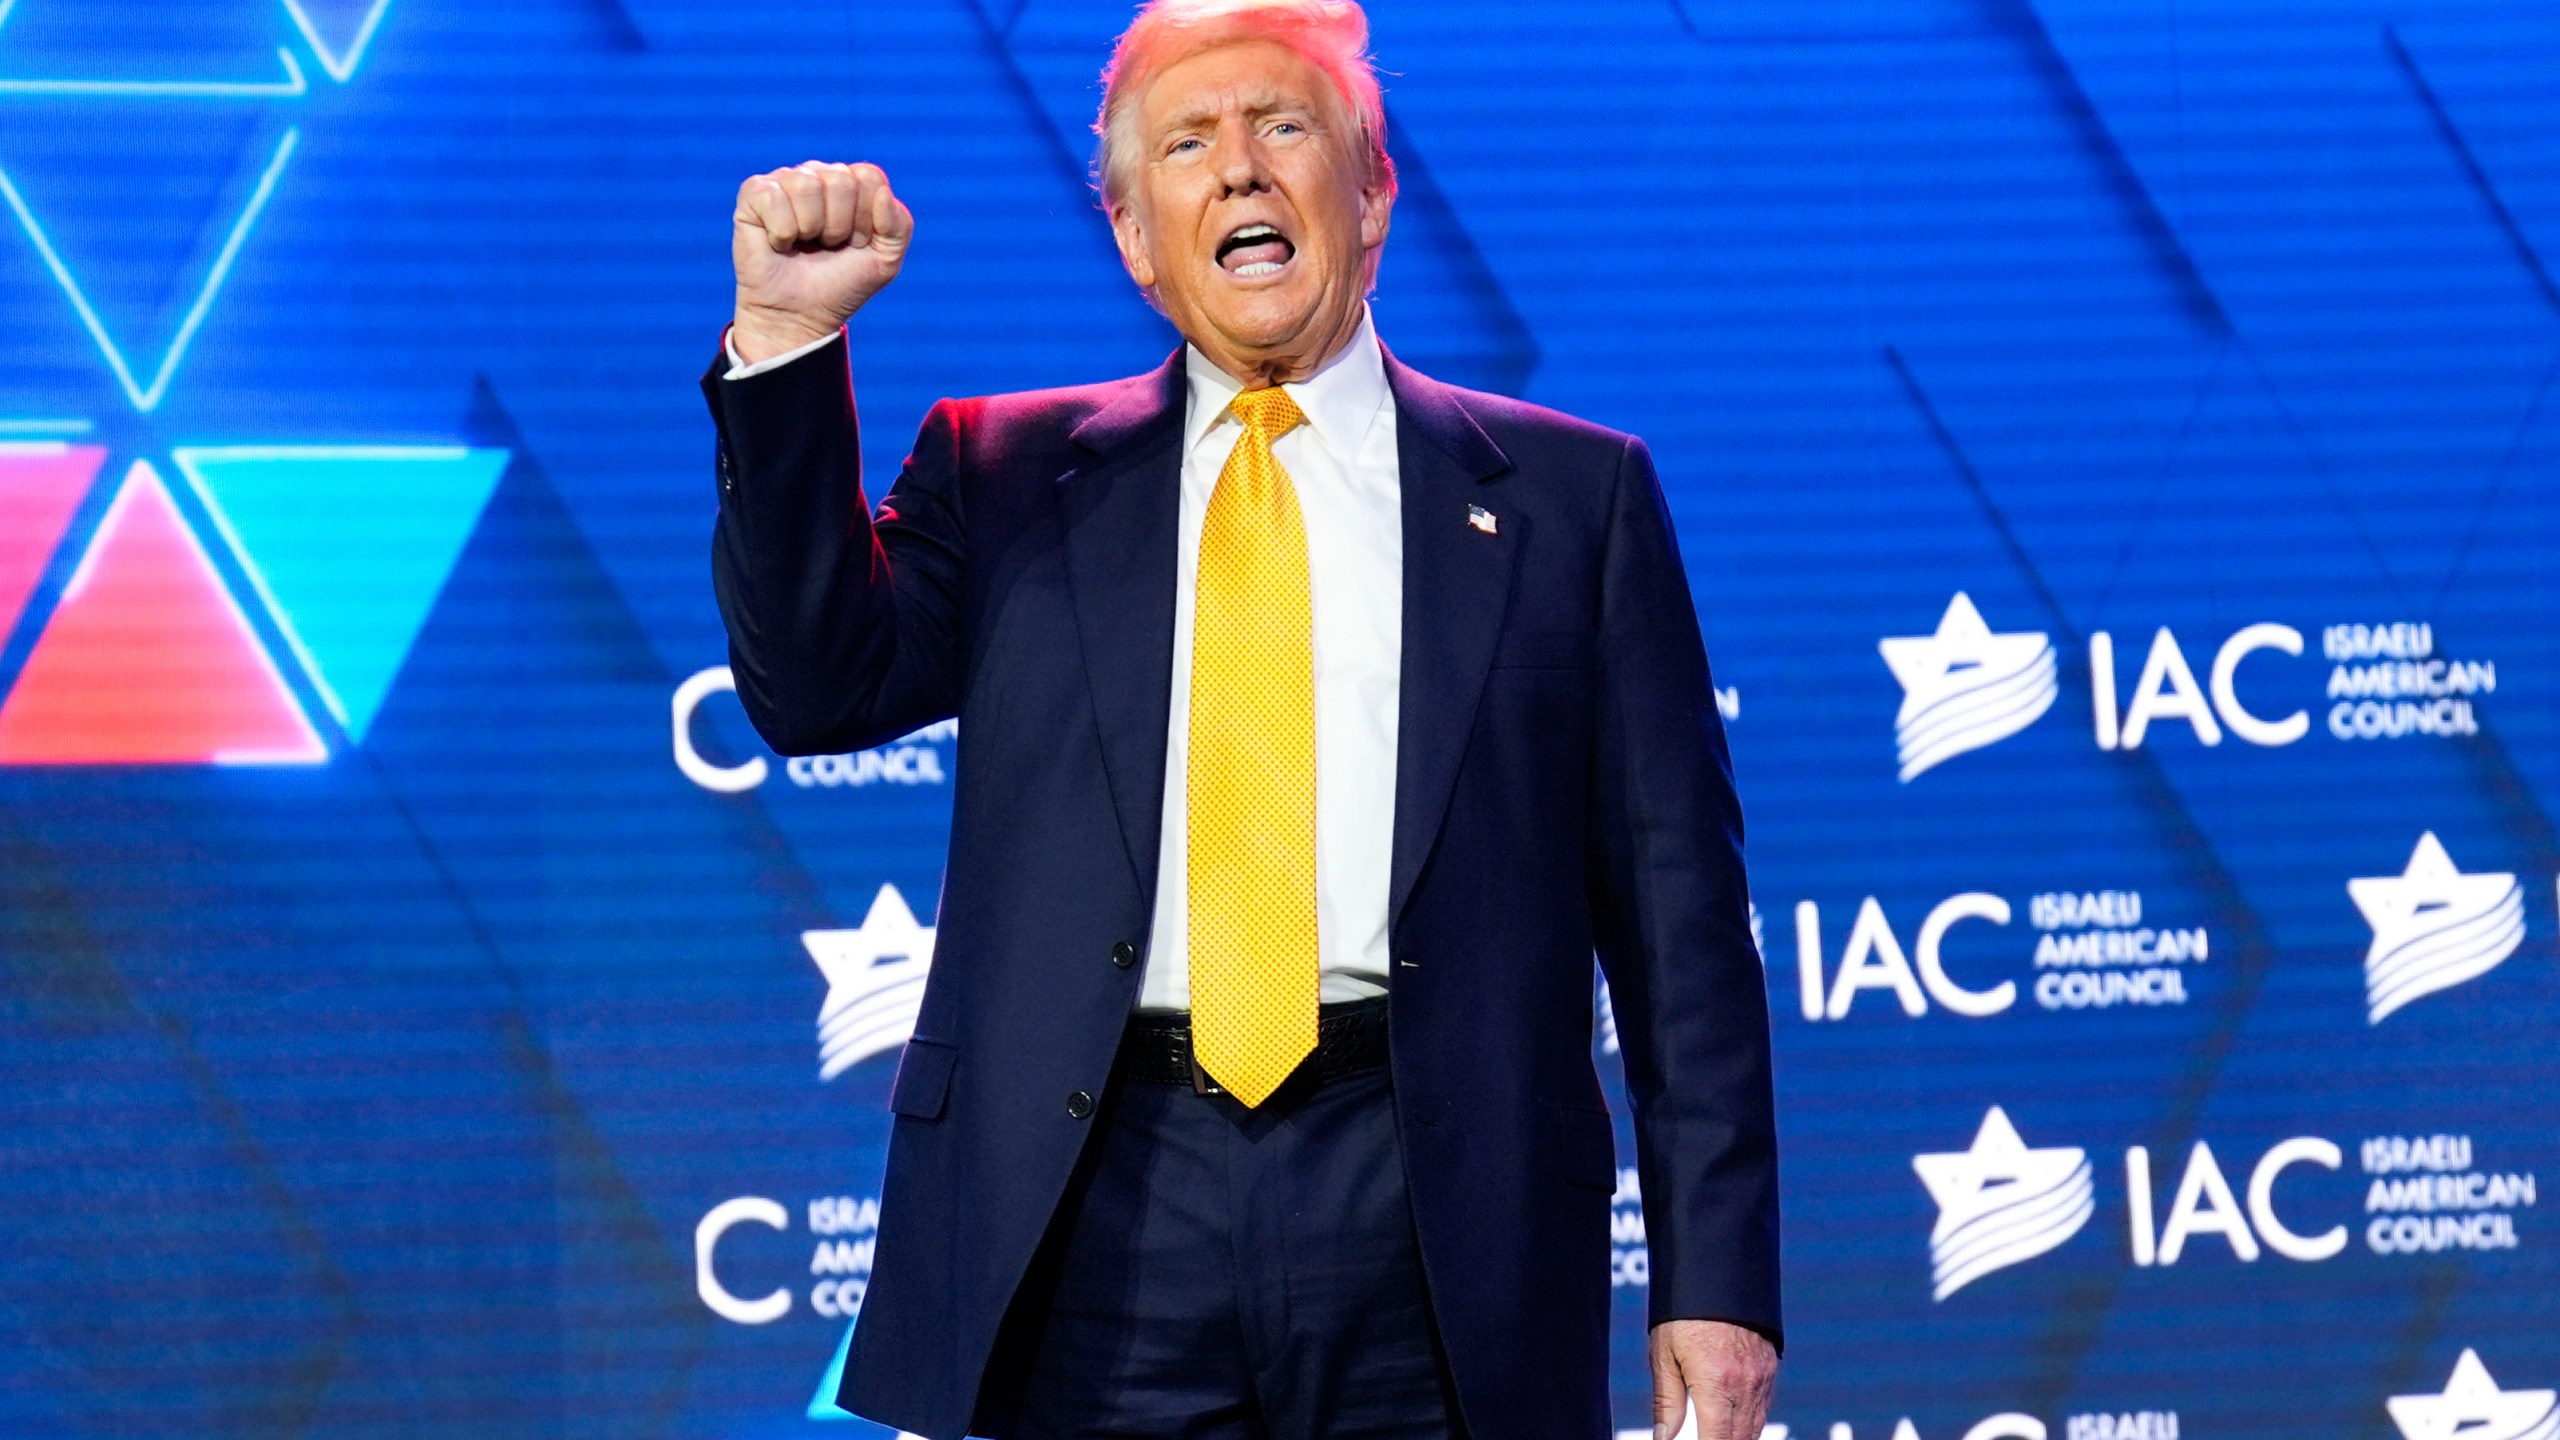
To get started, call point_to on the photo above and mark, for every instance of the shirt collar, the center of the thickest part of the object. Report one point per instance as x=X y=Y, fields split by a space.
x=1340 y=400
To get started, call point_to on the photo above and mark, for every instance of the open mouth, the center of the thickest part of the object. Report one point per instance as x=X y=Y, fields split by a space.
x=1254 y=251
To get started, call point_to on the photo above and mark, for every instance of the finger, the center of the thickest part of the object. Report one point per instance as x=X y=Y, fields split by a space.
x=807 y=182
x=1670 y=1394
x=808 y=206
x=868 y=182
x=769 y=210
x=890 y=218
x=826 y=224
x=841 y=197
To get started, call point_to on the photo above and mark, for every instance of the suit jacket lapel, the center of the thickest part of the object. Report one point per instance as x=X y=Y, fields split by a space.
x=1120 y=504
x=1457 y=581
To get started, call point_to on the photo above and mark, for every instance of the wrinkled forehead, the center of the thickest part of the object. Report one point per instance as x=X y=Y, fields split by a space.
x=1254 y=77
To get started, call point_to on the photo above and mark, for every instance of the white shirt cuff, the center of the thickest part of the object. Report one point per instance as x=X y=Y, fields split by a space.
x=739 y=369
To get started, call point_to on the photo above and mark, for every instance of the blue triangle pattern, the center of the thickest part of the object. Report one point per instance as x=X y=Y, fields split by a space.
x=349 y=546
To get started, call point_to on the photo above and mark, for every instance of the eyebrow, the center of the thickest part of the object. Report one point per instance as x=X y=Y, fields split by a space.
x=1260 y=104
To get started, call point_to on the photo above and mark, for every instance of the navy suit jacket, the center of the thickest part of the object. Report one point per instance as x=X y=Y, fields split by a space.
x=1562 y=787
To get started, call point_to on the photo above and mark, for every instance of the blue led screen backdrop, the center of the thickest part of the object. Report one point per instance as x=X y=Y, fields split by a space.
x=2116 y=452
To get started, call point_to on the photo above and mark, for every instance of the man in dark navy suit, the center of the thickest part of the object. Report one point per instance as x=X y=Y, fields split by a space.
x=1319 y=722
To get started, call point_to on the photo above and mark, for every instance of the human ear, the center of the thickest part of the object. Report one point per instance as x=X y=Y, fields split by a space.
x=1131 y=237
x=1377 y=203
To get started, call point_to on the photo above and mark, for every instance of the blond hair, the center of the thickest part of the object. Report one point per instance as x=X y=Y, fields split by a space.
x=1332 y=34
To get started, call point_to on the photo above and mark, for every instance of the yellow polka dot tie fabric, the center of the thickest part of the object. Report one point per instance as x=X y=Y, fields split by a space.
x=1251 y=782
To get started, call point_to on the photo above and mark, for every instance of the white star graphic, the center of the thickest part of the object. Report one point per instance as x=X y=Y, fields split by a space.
x=2474 y=1408
x=1964 y=687
x=2433 y=926
x=1933 y=667
x=2000 y=1203
x=2403 y=906
x=875 y=982
x=1971 y=1183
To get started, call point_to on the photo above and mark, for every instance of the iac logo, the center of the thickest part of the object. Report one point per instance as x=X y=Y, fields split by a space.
x=875 y=983
x=147 y=624
x=2167 y=690
x=2433 y=927
x=1965 y=687
x=2094 y=950
x=2472 y=1407
x=2000 y=1203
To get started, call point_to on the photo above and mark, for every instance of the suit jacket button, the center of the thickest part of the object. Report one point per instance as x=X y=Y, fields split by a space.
x=1079 y=1105
x=1124 y=954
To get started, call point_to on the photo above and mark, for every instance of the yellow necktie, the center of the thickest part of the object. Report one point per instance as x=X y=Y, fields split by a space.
x=1251 y=786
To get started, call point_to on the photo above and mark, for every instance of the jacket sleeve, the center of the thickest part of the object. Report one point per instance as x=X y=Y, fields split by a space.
x=844 y=626
x=1671 y=918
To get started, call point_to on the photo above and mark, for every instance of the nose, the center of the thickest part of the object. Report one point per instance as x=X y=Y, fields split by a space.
x=1243 y=166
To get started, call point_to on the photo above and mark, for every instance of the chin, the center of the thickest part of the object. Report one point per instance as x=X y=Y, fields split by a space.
x=1266 y=319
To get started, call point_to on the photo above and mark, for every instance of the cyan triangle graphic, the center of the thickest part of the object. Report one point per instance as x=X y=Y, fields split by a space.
x=823 y=1406
x=349 y=545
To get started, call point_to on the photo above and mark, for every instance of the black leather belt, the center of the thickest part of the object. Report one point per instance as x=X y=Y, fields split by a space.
x=1350 y=1037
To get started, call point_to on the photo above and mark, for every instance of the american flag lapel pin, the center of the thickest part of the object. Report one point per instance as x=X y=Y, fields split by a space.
x=1483 y=519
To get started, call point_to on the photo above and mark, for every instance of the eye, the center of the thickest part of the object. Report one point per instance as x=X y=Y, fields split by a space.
x=1287 y=127
x=1186 y=144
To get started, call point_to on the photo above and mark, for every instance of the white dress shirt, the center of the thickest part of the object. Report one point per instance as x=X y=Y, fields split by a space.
x=1343 y=465
x=739 y=369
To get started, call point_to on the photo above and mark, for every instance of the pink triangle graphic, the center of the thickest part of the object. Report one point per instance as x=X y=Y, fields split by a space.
x=41 y=483
x=149 y=661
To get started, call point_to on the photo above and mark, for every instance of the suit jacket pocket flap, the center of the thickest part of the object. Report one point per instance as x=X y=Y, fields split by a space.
x=924 y=1078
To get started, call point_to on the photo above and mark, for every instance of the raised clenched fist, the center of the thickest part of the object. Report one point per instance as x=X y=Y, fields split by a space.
x=811 y=244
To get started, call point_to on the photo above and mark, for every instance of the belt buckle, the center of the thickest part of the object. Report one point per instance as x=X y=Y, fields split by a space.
x=1201 y=1084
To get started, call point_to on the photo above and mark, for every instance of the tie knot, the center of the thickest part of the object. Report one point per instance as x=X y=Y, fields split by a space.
x=1268 y=412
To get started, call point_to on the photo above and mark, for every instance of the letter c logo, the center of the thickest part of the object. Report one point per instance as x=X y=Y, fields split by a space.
x=2226 y=695
x=1933 y=969
x=706 y=1239
x=726 y=779
x=2302 y=1150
